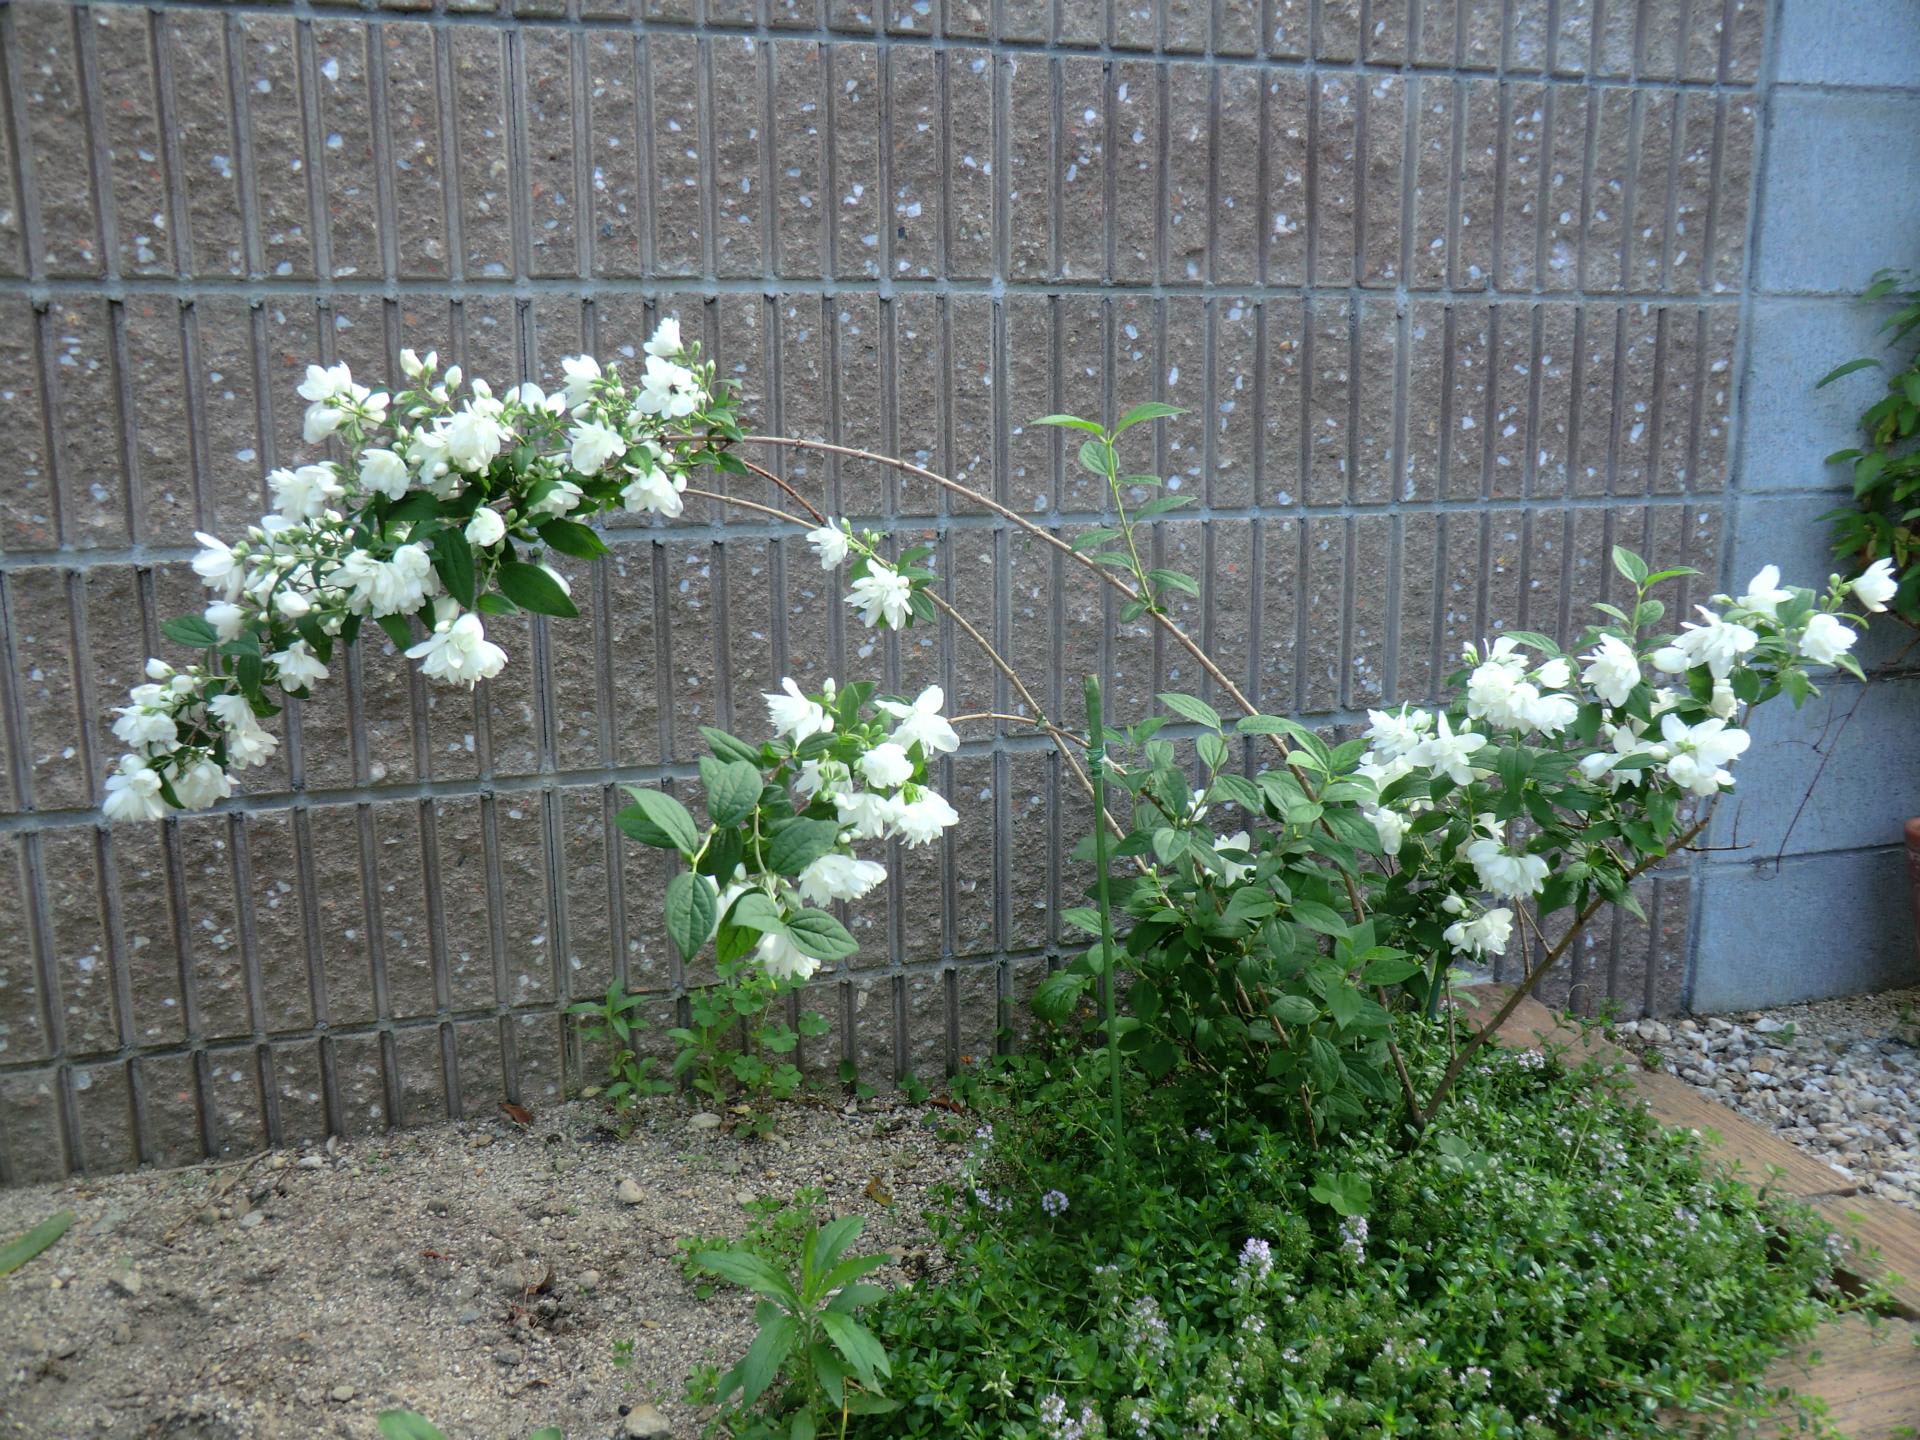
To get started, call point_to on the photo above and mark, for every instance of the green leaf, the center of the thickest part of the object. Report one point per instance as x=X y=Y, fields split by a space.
x=1094 y=455
x=548 y=1432
x=1073 y=422
x=1150 y=410
x=19 y=1251
x=532 y=588
x=453 y=563
x=405 y=1425
x=756 y=911
x=1630 y=565
x=1174 y=580
x=1294 y=1010
x=816 y=933
x=750 y=1272
x=803 y=1427
x=733 y=789
x=398 y=631
x=729 y=748
x=1343 y=1003
x=762 y=1362
x=1847 y=369
x=1082 y=917
x=570 y=537
x=191 y=631
x=662 y=821
x=1322 y=918
x=690 y=907
x=1055 y=997
x=1195 y=710
x=859 y=1346
x=493 y=603
x=797 y=843
x=1390 y=971
x=830 y=1242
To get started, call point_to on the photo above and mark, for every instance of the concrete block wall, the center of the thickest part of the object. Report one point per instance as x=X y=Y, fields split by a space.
x=1815 y=899
x=1458 y=294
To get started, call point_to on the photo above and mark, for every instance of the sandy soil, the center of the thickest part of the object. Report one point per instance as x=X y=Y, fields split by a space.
x=481 y=1274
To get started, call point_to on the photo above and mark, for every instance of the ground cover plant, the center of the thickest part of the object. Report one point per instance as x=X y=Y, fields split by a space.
x=1547 y=1261
x=1291 y=1129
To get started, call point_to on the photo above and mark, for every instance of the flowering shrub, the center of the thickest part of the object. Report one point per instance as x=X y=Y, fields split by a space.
x=1274 y=919
x=443 y=502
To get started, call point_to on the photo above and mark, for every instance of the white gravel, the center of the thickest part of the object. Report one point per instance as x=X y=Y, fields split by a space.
x=1840 y=1078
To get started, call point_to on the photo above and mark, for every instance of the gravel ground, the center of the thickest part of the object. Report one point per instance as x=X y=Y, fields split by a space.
x=1840 y=1078
x=478 y=1273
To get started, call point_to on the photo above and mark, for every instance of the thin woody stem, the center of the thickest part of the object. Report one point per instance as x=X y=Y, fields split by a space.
x=793 y=494
x=1532 y=980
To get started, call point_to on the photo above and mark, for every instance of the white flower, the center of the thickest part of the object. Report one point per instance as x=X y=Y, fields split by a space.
x=1875 y=586
x=158 y=669
x=782 y=959
x=1724 y=702
x=412 y=366
x=581 y=372
x=326 y=382
x=139 y=725
x=563 y=497
x=795 y=715
x=458 y=650
x=306 y=493
x=474 y=435
x=666 y=339
x=1826 y=638
x=1612 y=669
x=383 y=473
x=1232 y=872
x=838 y=877
x=667 y=390
x=486 y=528
x=1718 y=644
x=830 y=544
x=1701 y=753
x=299 y=667
x=593 y=445
x=320 y=421
x=1764 y=594
x=1626 y=741
x=290 y=600
x=133 y=792
x=247 y=743
x=1390 y=825
x=652 y=488
x=1486 y=934
x=1454 y=905
x=886 y=766
x=921 y=723
x=427 y=453
x=226 y=618
x=1445 y=753
x=1550 y=714
x=217 y=566
x=882 y=595
x=828 y=778
x=201 y=784
x=1394 y=736
x=1504 y=873
x=865 y=815
x=1553 y=675
x=386 y=587
x=920 y=821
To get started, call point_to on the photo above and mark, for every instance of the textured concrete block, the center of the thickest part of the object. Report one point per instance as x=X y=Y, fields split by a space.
x=1755 y=947
x=1849 y=43
x=1789 y=427
x=1866 y=211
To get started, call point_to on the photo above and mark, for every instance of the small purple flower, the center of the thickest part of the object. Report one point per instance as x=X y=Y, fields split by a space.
x=1256 y=1257
x=1054 y=1203
x=987 y=1200
x=1353 y=1238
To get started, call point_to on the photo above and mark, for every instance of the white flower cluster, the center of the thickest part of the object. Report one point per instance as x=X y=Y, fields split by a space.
x=881 y=595
x=426 y=471
x=1646 y=733
x=892 y=804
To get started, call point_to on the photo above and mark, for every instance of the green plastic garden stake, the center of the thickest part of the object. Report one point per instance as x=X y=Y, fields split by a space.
x=1097 y=767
